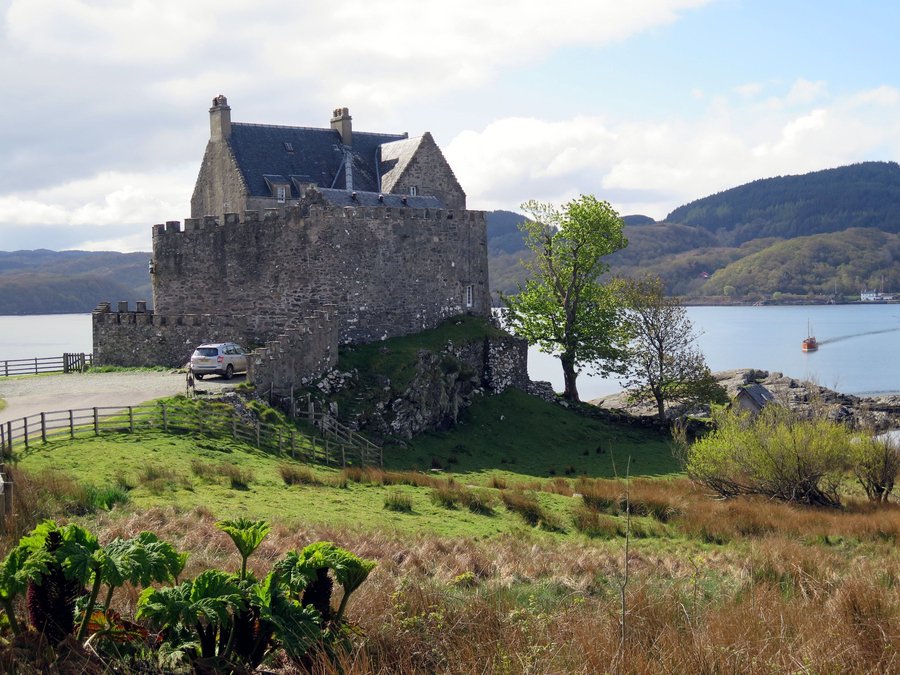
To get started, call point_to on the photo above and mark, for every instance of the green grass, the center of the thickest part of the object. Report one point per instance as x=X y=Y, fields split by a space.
x=520 y=435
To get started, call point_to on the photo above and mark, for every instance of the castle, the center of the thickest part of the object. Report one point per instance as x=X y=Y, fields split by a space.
x=301 y=239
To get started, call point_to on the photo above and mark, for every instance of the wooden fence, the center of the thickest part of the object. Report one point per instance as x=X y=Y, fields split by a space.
x=67 y=363
x=333 y=447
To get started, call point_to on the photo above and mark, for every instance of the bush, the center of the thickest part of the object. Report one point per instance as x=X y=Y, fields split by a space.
x=876 y=465
x=776 y=454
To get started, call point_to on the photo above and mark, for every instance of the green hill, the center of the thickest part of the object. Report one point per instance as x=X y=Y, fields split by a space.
x=816 y=235
x=860 y=195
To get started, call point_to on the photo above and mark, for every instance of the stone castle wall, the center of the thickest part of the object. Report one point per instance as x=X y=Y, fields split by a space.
x=141 y=337
x=387 y=271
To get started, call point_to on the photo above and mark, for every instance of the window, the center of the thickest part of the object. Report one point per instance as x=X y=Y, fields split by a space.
x=288 y=146
x=413 y=190
x=470 y=296
x=280 y=193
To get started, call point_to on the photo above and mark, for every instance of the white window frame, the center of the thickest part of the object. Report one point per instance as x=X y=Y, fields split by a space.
x=470 y=296
x=413 y=190
x=280 y=193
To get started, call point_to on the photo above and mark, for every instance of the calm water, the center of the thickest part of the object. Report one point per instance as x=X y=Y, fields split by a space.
x=858 y=351
x=24 y=337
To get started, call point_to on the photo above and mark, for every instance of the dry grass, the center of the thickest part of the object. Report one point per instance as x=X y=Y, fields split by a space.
x=535 y=605
x=790 y=590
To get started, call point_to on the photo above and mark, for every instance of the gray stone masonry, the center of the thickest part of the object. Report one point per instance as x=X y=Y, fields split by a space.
x=388 y=272
x=303 y=352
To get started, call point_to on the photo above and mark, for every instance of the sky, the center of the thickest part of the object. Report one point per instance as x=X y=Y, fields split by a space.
x=648 y=104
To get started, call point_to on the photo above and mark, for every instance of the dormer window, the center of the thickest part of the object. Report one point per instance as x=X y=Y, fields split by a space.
x=413 y=190
x=288 y=147
x=280 y=193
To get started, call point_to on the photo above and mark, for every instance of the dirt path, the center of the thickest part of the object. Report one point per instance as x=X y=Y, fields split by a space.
x=26 y=396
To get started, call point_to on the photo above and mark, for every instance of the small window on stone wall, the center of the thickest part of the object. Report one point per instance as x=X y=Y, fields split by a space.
x=280 y=193
x=413 y=190
x=470 y=296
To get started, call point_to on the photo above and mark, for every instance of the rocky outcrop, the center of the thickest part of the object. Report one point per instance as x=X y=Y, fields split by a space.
x=442 y=384
x=807 y=398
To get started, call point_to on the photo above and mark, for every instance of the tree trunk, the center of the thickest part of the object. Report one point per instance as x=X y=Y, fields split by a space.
x=569 y=376
x=661 y=407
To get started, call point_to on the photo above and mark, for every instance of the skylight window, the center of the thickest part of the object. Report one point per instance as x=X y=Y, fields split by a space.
x=288 y=146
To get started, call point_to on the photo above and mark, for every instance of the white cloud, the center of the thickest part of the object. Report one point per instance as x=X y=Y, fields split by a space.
x=652 y=166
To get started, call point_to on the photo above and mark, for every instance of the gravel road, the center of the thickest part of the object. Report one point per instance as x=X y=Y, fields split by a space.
x=29 y=395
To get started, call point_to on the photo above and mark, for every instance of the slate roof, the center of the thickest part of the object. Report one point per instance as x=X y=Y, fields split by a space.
x=304 y=154
x=395 y=157
x=757 y=393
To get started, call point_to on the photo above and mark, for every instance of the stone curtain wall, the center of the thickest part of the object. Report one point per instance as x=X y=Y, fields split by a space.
x=388 y=272
x=300 y=353
x=146 y=338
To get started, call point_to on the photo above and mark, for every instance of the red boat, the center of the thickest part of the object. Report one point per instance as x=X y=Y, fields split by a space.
x=809 y=344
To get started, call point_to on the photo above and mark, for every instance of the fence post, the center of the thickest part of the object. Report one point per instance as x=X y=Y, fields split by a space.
x=25 y=431
x=6 y=484
x=9 y=436
x=96 y=422
x=71 y=423
x=165 y=419
x=35 y=366
x=131 y=418
x=43 y=427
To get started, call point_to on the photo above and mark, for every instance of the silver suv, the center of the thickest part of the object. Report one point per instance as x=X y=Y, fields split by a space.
x=222 y=358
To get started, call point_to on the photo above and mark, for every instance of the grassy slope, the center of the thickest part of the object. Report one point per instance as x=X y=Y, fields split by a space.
x=524 y=437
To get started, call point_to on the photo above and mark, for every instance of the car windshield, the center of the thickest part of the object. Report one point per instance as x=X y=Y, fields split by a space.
x=207 y=351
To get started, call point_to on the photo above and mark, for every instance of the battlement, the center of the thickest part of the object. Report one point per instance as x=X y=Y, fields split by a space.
x=140 y=315
x=317 y=214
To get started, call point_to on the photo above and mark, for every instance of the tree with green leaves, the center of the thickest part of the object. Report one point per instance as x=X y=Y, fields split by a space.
x=664 y=364
x=563 y=306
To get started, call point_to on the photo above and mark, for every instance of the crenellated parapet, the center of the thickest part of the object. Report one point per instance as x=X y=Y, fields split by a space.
x=318 y=215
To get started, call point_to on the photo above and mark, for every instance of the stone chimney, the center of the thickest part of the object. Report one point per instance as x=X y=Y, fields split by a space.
x=219 y=119
x=341 y=122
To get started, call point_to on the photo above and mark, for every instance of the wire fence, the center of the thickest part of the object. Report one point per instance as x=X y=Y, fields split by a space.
x=67 y=363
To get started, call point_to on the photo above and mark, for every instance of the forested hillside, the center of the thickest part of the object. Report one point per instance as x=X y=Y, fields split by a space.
x=822 y=234
x=860 y=195
x=56 y=282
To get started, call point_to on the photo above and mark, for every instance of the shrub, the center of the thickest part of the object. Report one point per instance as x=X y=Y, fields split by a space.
x=876 y=465
x=776 y=454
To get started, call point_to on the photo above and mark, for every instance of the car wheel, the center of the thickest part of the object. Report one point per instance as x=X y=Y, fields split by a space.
x=198 y=376
x=229 y=371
